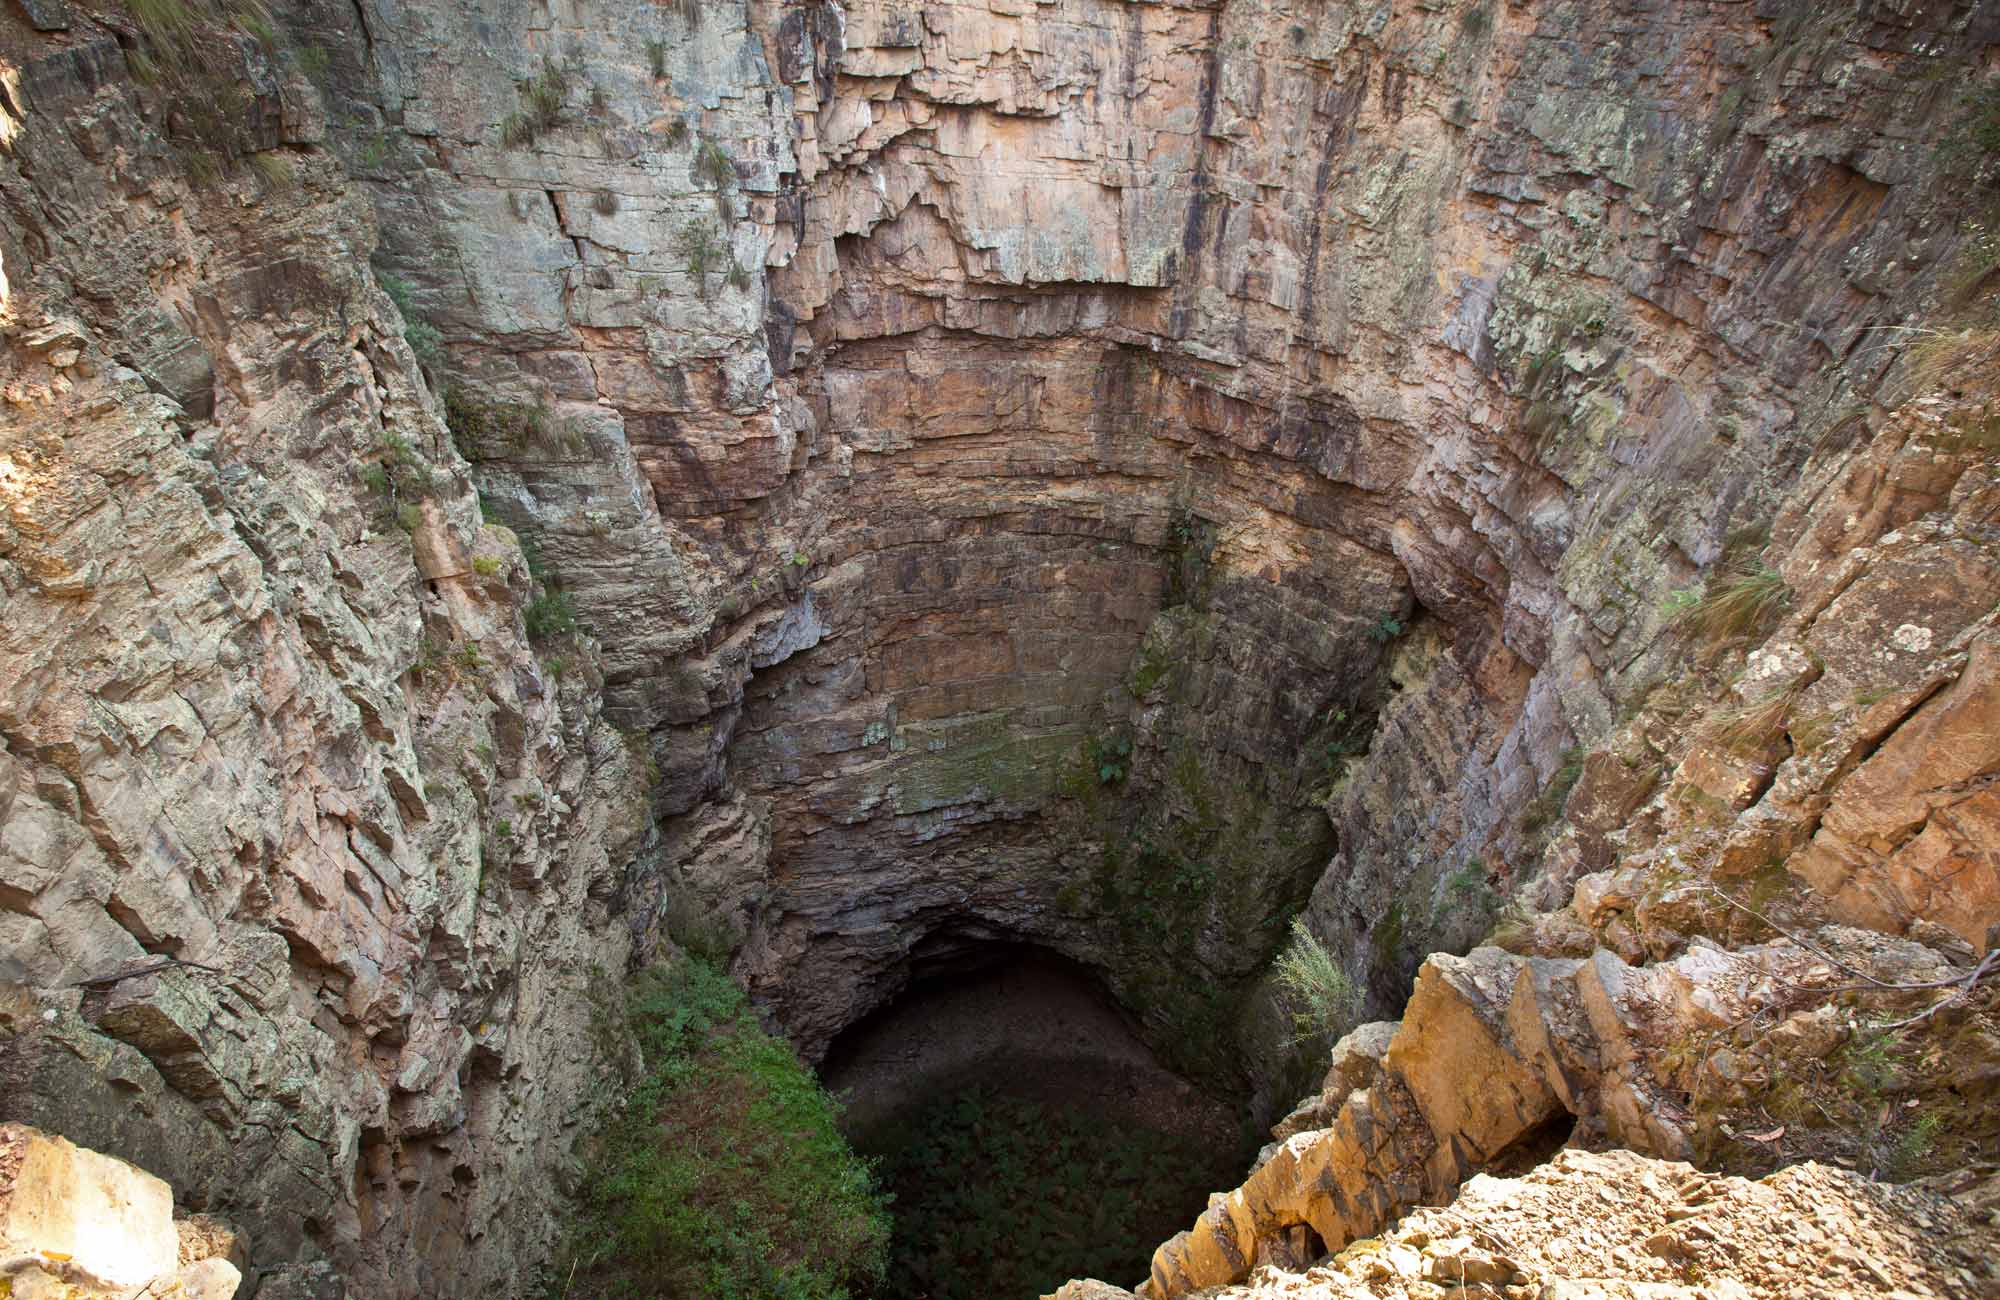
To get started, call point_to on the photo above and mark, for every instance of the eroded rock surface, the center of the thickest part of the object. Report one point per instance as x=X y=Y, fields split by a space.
x=1619 y=1226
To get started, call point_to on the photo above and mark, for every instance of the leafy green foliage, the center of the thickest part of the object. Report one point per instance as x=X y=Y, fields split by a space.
x=1320 y=997
x=1110 y=756
x=1385 y=629
x=724 y=1177
x=1007 y=1195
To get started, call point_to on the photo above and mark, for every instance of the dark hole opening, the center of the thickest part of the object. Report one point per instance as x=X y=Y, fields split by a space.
x=1026 y=1131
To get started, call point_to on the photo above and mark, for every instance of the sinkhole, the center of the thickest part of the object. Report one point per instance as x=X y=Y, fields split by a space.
x=1026 y=1132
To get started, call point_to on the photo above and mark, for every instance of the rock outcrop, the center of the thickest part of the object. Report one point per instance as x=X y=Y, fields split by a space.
x=1499 y=1058
x=1619 y=1226
x=78 y=1225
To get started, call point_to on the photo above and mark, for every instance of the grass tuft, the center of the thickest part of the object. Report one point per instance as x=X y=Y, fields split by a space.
x=1743 y=603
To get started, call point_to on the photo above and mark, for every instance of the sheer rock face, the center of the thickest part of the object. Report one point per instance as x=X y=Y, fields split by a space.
x=1404 y=355
x=928 y=395
x=306 y=862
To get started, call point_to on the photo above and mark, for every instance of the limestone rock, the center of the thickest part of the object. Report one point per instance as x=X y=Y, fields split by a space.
x=76 y=1224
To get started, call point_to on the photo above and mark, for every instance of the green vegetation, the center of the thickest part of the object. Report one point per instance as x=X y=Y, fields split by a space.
x=543 y=97
x=550 y=615
x=705 y=251
x=189 y=50
x=1385 y=629
x=724 y=1177
x=484 y=430
x=396 y=480
x=1742 y=603
x=1110 y=756
x=1547 y=807
x=656 y=59
x=1976 y=135
x=446 y=663
x=425 y=342
x=1317 y=993
x=1007 y=1195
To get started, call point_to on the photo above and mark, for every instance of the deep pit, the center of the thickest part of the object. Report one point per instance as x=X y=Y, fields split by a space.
x=1024 y=1129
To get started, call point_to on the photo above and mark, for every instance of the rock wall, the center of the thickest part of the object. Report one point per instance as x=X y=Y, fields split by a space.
x=993 y=396
x=1097 y=475
x=307 y=862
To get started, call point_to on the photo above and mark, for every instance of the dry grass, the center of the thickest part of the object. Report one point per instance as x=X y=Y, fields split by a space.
x=1742 y=603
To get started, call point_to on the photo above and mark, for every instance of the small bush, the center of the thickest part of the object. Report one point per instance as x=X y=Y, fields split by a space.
x=725 y=1175
x=1320 y=998
x=426 y=344
x=1385 y=629
x=550 y=615
x=1743 y=603
x=656 y=59
x=705 y=251
x=543 y=97
x=604 y=203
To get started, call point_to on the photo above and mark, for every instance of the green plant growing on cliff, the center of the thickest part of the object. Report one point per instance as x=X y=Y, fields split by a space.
x=725 y=1175
x=543 y=97
x=1740 y=604
x=1110 y=756
x=550 y=615
x=1385 y=629
x=426 y=344
x=1317 y=994
x=704 y=250
x=195 y=53
x=395 y=481
x=1547 y=807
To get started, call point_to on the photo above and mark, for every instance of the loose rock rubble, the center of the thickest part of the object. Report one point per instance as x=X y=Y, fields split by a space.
x=1619 y=1226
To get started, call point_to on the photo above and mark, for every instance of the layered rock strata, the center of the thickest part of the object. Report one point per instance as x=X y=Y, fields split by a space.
x=308 y=863
x=1199 y=395
x=1619 y=1226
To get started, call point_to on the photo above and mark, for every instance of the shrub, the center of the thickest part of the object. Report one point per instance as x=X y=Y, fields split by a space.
x=724 y=1175
x=550 y=615
x=1315 y=990
x=543 y=97
x=604 y=203
x=656 y=59
x=426 y=344
x=704 y=250
x=1385 y=629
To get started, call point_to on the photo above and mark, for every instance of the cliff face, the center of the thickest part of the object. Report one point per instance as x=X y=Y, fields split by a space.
x=1101 y=475
x=307 y=862
x=1211 y=393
